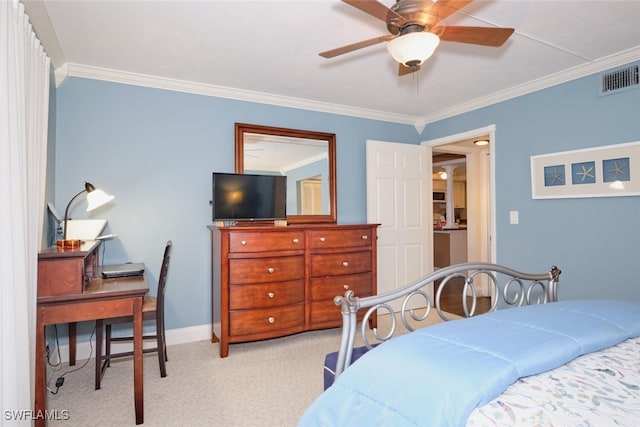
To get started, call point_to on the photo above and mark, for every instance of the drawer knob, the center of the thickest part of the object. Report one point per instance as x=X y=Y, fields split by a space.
x=243 y=243
x=345 y=286
x=345 y=263
x=364 y=237
x=272 y=320
x=271 y=295
x=322 y=239
x=296 y=241
x=271 y=270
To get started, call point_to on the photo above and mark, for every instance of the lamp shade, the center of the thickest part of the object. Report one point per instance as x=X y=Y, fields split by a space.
x=413 y=49
x=97 y=198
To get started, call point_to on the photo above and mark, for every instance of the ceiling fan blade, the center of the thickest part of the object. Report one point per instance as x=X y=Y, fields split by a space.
x=485 y=36
x=403 y=70
x=375 y=9
x=355 y=46
x=443 y=8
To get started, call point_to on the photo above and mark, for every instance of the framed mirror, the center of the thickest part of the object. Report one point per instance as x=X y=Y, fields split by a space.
x=307 y=158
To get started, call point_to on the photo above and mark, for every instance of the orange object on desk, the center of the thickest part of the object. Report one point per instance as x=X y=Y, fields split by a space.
x=68 y=244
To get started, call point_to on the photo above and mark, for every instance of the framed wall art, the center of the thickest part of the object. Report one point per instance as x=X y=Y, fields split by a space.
x=605 y=171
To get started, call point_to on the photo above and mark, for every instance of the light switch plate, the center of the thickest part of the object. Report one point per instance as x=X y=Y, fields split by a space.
x=513 y=217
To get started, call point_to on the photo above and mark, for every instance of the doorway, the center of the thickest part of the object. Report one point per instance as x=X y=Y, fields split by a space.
x=473 y=171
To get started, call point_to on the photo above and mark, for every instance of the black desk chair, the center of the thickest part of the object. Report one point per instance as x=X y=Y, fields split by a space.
x=152 y=309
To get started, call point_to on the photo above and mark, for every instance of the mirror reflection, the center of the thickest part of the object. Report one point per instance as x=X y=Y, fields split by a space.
x=307 y=159
x=303 y=161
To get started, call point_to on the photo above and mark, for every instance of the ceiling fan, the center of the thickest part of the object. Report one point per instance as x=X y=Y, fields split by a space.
x=415 y=30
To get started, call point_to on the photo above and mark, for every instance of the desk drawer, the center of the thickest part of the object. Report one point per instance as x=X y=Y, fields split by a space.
x=340 y=238
x=327 y=288
x=266 y=295
x=247 y=241
x=265 y=270
x=63 y=276
x=339 y=264
x=250 y=322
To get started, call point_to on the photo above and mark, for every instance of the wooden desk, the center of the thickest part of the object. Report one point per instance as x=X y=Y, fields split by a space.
x=67 y=272
x=101 y=299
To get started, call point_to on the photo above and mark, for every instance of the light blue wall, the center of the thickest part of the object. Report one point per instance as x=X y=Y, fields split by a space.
x=593 y=240
x=155 y=151
x=50 y=223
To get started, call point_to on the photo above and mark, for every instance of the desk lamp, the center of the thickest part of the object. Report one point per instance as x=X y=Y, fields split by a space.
x=95 y=199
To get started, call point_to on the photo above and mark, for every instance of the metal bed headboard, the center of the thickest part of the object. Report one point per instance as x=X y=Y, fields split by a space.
x=508 y=286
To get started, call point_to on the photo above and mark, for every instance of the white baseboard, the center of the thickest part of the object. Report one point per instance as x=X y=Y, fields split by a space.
x=86 y=349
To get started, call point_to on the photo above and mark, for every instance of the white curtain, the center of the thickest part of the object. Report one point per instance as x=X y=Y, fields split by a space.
x=24 y=99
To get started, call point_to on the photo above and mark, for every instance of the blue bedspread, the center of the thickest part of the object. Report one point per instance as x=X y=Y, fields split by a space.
x=437 y=375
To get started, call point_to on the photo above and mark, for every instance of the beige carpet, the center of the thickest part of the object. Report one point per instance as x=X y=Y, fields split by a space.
x=265 y=383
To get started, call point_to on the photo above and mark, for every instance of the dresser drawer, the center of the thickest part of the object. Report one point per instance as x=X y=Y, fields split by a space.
x=247 y=241
x=250 y=322
x=325 y=314
x=265 y=270
x=327 y=288
x=340 y=238
x=339 y=264
x=266 y=295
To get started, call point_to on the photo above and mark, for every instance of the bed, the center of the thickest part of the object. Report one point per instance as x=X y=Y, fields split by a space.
x=531 y=360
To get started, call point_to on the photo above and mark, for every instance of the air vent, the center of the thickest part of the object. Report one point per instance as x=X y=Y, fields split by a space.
x=619 y=80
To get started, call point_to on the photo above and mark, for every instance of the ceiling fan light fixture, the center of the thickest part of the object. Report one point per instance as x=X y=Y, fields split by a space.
x=413 y=49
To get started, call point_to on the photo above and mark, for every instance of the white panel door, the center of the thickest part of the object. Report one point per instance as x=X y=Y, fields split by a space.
x=398 y=188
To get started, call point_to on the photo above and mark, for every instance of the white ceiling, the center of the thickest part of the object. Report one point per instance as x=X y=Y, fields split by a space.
x=281 y=154
x=268 y=51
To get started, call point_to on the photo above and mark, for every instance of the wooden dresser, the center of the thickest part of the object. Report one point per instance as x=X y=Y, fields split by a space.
x=270 y=281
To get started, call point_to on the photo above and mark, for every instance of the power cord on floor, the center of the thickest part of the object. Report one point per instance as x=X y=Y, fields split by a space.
x=48 y=352
x=60 y=379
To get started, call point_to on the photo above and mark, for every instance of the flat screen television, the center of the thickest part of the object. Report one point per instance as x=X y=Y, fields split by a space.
x=248 y=197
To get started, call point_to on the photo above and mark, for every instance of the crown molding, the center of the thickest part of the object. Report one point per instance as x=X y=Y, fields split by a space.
x=98 y=73
x=612 y=61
